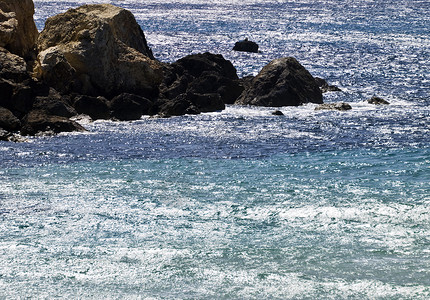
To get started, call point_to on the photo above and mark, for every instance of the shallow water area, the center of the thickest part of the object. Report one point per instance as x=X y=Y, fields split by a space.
x=238 y=204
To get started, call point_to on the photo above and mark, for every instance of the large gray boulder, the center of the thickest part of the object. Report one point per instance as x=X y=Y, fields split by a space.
x=283 y=82
x=18 y=32
x=97 y=50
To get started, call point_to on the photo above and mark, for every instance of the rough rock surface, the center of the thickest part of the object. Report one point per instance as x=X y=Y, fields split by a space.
x=98 y=50
x=95 y=107
x=246 y=46
x=38 y=121
x=205 y=82
x=12 y=66
x=126 y=107
x=341 y=106
x=18 y=32
x=283 y=82
x=325 y=87
x=377 y=101
x=8 y=121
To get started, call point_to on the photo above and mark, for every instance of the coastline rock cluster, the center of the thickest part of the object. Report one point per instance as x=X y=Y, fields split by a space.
x=95 y=60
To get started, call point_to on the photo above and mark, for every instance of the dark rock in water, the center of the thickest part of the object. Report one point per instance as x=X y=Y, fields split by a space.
x=206 y=102
x=54 y=104
x=342 y=106
x=8 y=120
x=195 y=79
x=95 y=50
x=126 y=107
x=377 y=101
x=246 y=46
x=38 y=121
x=277 y=113
x=283 y=82
x=325 y=87
x=95 y=107
x=178 y=107
x=197 y=64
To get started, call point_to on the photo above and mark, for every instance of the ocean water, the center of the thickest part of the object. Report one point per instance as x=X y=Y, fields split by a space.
x=239 y=204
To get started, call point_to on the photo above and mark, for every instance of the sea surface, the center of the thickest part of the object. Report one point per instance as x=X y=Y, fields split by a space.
x=239 y=204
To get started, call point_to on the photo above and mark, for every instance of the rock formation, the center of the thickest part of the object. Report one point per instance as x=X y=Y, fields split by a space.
x=18 y=32
x=325 y=87
x=198 y=83
x=246 y=46
x=283 y=82
x=341 y=106
x=97 y=50
x=377 y=101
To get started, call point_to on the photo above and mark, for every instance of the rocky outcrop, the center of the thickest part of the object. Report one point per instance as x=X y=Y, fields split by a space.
x=377 y=101
x=283 y=82
x=12 y=66
x=198 y=83
x=246 y=46
x=127 y=107
x=95 y=107
x=97 y=50
x=341 y=106
x=18 y=32
x=8 y=121
x=39 y=121
x=325 y=87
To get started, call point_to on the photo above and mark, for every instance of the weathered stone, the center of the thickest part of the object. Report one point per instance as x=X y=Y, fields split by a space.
x=325 y=87
x=95 y=107
x=206 y=102
x=8 y=120
x=205 y=81
x=246 y=46
x=277 y=113
x=377 y=101
x=18 y=32
x=127 y=107
x=39 y=121
x=12 y=66
x=341 y=106
x=283 y=82
x=179 y=106
x=100 y=49
x=54 y=104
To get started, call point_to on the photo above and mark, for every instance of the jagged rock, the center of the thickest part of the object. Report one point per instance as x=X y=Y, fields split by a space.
x=126 y=107
x=283 y=82
x=246 y=46
x=54 y=104
x=179 y=106
x=100 y=50
x=8 y=121
x=39 y=121
x=12 y=66
x=205 y=82
x=95 y=107
x=325 y=87
x=377 y=101
x=18 y=32
x=342 y=106
x=277 y=113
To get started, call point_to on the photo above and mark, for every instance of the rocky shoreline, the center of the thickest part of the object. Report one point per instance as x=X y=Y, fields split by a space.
x=95 y=60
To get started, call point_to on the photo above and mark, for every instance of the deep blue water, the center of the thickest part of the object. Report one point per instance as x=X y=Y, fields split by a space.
x=239 y=204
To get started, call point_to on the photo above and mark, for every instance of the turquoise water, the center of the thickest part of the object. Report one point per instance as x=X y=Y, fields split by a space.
x=239 y=204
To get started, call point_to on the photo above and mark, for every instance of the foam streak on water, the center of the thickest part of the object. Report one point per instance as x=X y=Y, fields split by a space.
x=239 y=204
